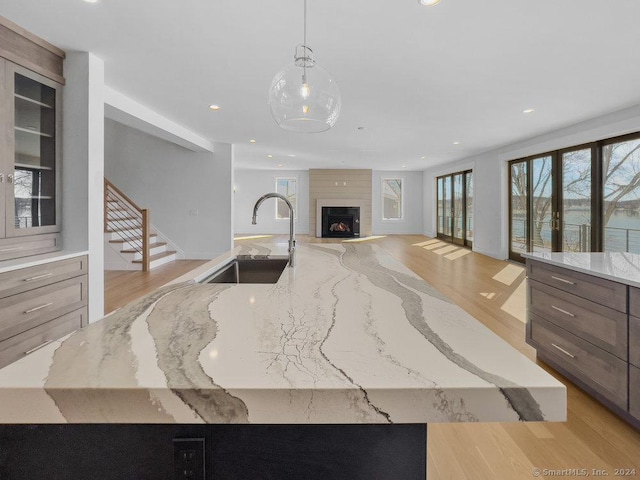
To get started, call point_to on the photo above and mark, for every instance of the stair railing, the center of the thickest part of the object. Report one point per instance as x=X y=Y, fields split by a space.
x=129 y=216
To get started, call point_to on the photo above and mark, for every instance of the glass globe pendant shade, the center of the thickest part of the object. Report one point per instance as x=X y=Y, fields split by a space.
x=303 y=97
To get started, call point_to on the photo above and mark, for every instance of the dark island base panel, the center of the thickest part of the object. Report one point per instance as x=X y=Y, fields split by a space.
x=247 y=452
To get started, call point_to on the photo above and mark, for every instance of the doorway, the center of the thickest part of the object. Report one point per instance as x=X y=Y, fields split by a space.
x=455 y=208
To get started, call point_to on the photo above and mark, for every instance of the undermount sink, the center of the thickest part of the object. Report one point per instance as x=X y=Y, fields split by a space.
x=249 y=270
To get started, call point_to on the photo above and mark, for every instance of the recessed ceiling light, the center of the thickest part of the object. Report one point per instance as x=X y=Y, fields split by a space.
x=528 y=110
x=280 y=165
x=404 y=166
x=456 y=143
x=214 y=107
x=291 y=155
x=92 y=1
x=252 y=141
x=269 y=156
x=422 y=158
x=428 y=3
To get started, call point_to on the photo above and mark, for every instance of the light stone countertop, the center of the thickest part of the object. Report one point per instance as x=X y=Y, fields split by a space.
x=617 y=266
x=349 y=335
x=24 y=262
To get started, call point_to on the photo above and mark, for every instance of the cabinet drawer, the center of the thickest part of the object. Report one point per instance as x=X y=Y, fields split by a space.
x=598 y=290
x=20 y=345
x=634 y=301
x=16 y=247
x=27 y=310
x=598 y=369
x=634 y=341
x=602 y=326
x=634 y=391
x=18 y=281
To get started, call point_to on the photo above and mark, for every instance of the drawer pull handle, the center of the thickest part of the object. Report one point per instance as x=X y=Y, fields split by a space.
x=563 y=280
x=561 y=310
x=38 y=347
x=38 y=277
x=11 y=249
x=31 y=310
x=563 y=351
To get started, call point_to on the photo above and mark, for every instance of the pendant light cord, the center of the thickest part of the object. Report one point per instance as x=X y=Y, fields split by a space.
x=304 y=40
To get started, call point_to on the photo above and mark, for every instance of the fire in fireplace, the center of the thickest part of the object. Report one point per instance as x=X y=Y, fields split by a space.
x=341 y=222
x=339 y=227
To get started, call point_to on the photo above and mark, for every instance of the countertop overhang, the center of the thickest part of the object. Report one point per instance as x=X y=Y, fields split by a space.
x=349 y=335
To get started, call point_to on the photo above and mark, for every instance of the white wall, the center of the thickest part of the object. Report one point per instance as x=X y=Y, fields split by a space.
x=250 y=185
x=412 y=192
x=490 y=175
x=83 y=168
x=189 y=194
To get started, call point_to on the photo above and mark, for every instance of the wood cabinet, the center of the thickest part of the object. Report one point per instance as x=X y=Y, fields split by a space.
x=634 y=330
x=30 y=129
x=40 y=304
x=580 y=325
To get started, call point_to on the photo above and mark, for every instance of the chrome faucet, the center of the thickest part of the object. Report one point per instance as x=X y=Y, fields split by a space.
x=292 y=228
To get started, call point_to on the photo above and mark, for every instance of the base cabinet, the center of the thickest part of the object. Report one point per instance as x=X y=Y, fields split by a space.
x=40 y=304
x=584 y=326
x=634 y=391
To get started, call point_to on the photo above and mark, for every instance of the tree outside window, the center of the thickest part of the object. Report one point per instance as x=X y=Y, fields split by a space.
x=392 y=198
x=287 y=187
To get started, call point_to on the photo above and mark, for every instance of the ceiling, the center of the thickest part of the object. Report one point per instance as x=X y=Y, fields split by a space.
x=416 y=78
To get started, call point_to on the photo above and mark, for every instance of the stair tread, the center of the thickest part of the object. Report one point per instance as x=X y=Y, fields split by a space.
x=157 y=256
x=153 y=245
x=114 y=230
x=131 y=239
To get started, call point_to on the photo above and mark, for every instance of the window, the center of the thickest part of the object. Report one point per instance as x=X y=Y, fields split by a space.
x=584 y=198
x=289 y=188
x=621 y=202
x=391 y=198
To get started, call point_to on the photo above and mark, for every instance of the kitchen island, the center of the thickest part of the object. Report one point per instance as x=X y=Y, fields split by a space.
x=333 y=371
x=584 y=321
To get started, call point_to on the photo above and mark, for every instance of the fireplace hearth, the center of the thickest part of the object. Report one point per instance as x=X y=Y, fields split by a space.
x=341 y=222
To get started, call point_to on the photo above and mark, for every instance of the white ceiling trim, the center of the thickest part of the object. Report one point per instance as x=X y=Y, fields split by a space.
x=127 y=111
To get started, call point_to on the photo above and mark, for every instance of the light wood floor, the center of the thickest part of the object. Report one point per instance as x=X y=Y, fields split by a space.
x=493 y=292
x=123 y=286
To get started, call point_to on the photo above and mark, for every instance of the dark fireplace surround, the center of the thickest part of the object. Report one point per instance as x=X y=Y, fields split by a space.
x=341 y=222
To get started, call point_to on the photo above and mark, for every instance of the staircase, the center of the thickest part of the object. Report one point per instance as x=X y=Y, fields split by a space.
x=128 y=231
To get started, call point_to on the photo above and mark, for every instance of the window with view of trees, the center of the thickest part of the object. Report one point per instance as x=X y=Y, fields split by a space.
x=580 y=199
x=621 y=206
x=391 y=198
x=287 y=187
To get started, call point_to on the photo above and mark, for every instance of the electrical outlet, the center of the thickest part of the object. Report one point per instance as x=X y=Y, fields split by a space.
x=188 y=458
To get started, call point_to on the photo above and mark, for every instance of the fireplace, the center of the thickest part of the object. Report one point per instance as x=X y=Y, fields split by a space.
x=341 y=222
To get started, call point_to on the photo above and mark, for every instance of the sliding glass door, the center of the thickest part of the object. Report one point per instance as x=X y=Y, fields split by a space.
x=577 y=205
x=455 y=208
x=621 y=195
x=551 y=202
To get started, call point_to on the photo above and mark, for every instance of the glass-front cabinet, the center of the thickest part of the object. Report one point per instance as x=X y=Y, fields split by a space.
x=35 y=112
x=30 y=120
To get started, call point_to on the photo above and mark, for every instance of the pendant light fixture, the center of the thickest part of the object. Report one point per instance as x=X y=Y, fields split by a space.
x=303 y=97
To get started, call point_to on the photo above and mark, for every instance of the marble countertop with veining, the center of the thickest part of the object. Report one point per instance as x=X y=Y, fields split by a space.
x=617 y=266
x=349 y=335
